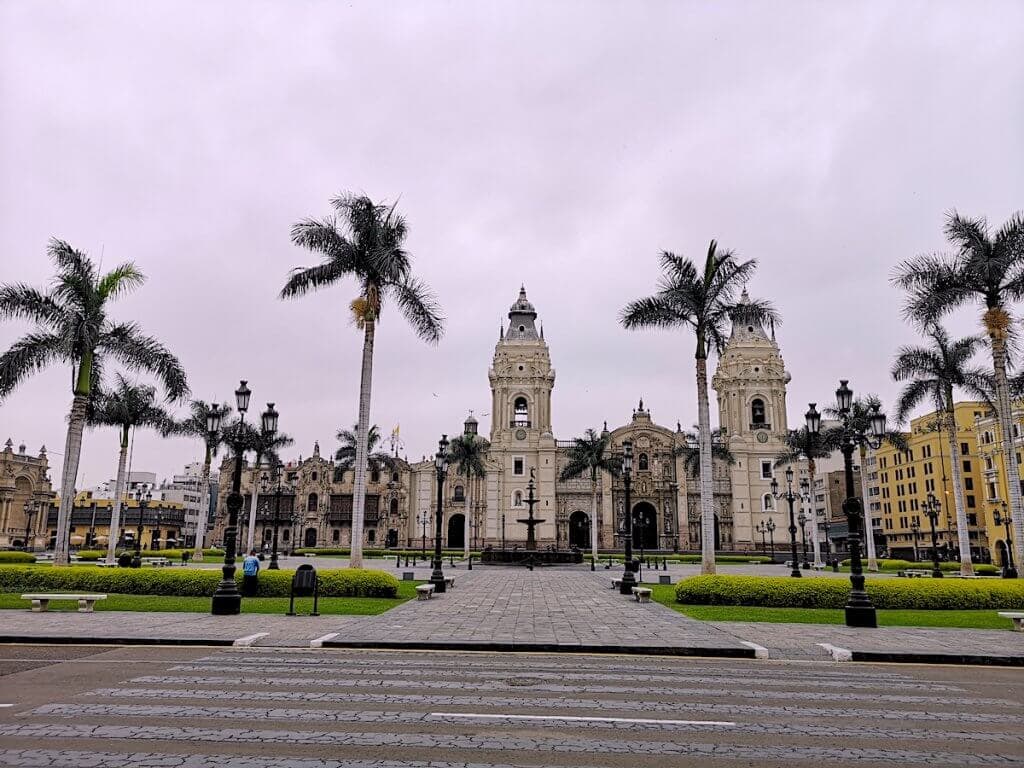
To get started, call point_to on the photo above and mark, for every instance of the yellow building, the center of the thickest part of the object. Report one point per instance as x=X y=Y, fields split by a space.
x=905 y=478
x=162 y=523
x=995 y=489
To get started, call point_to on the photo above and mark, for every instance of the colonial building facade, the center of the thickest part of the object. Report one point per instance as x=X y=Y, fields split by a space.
x=25 y=496
x=750 y=383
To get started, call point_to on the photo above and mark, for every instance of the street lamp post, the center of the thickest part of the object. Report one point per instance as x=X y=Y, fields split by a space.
x=915 y=529
x=790 y=496
x=771 y=537
x=802 y=521
x=143 y=497
x=628 y=579
x=931 y=509
x=227 y=600
x=280 y=488
x=860 y=612
x=503 y=532
x=1009 y=570
x=31 y=507
x=762 y=528
x=424 y=519
x=441 y=465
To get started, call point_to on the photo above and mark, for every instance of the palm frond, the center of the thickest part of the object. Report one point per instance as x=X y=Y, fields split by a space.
x=420 y=308
x=27 y=303
x=138 y=352
x=660 y=311
x=29 y=354
x=302 y=280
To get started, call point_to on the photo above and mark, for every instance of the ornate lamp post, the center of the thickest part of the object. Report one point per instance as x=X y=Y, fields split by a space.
x=628 y=579
x=424 y=518
x=143 y=496
x=31 y=507
x=441 y=465
x=802 y=522
x=915 y=529
x=790 y=496
x=771 y=537
x=227 y=600
x=860 y=612
x=1009 y=570
x=275 y=483
x=931 y=509
x=762 y=528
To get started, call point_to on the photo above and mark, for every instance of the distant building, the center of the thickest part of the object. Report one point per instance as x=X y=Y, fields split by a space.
x=25 y=496
x=993 y=493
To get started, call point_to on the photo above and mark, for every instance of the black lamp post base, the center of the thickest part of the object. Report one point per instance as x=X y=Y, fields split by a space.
x=226 y=604
x=437 y=579
x=1009 y=573
x=861 y=616
x=273 y=566
x=796 y=573
x=936 y=573
x=627 y=583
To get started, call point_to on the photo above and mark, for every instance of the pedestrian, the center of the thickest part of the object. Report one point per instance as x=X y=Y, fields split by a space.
x=250 y=571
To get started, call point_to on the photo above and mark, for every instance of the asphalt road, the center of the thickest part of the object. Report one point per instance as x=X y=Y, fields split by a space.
x=80 y=707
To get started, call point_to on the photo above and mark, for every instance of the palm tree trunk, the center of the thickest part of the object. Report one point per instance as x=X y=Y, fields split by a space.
x=707 y=489
x=812 y=513
x=362 y=430
x=869 y=525
x=963 y=532
x=114 y=531
x=465 y=517
x=204 y=511
x=72 y=456
x=593 y=517
x=1004 y=410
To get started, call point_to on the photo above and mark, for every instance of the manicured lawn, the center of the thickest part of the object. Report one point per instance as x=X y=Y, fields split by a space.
x=987 y=619
x=351 y=606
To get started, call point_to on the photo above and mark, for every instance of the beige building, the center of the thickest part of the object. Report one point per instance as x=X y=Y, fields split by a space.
x=25 y=497
x=751 y=386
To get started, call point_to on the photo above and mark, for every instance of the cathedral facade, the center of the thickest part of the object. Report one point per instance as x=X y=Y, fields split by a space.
x=750 y=383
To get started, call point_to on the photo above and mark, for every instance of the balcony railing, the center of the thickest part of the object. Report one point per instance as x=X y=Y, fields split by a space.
x=520 y=423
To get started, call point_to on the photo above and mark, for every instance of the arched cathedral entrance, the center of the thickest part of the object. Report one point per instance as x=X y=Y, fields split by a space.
x=645 y=526
x=579 y=530
x=456 y=531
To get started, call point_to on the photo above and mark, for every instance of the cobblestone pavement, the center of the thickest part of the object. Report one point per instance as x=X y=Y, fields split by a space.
x=292 y=708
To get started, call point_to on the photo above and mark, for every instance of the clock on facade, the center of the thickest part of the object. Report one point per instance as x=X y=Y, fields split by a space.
x=520 y=434
x=762 y=437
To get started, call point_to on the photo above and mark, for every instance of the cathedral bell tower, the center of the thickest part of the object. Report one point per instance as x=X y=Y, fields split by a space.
x=521 y=379
x=751 y=384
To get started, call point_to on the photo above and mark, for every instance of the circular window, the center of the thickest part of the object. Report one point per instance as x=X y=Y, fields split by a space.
x=750 y=328
x=520 y=367
x=756 y=369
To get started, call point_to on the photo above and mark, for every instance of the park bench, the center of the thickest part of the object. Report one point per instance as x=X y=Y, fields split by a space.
x=1016 y=617
x=915 y=573
x=642 y=594
x=40 y=602
x=449 y=582
x=424 y=591
x=818 y=566
x=159 y=562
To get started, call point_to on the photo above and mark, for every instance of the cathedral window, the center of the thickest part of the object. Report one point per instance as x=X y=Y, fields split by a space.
x=518 y=465
x=643 y=462
x=336 y=536
x=460 y=494
x=311 y=502
x=520 y=413
x=766 y=469
x=757 y=412
x=375 y=476
x=394 y=506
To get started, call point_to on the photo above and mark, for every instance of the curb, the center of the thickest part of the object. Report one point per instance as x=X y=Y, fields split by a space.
x=960 y=659
x=73 y=640
x=631 y=650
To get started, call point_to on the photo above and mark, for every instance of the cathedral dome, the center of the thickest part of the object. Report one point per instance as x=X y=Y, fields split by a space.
x=522 y=306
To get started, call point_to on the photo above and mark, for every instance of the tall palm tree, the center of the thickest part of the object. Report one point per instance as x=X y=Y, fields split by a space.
x=467 y=452
x=194 y=425
x=369 y=248
x=126 y=406
x=266 y=446
x=72 y=327
x=704 y=300
x=932 y=374
x=376 y=461
x=860 y=414
x=985 y=269
x=591 y=455
x=803 y=445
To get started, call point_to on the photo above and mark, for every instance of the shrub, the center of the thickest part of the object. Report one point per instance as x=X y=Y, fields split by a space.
x=946 y=566
x=17 y=557
x=787 y=592
x=187 y=582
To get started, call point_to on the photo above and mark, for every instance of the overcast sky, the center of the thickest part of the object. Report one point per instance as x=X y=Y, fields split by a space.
x=557 y=144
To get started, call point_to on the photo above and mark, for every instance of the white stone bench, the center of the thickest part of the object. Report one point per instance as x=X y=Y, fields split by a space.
x=818 y=566
x=642 y=594
x=160 y=562
x=449 y=582
x=40 y=602
x=424 y=591
x=1015 y=617
x=916 y=573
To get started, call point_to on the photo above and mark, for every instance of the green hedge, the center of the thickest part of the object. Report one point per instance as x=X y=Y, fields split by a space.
x=187 y=582
x=946 y=566
x=383 y=553
x=91 y=555
x=16 y=557
x=787 y=592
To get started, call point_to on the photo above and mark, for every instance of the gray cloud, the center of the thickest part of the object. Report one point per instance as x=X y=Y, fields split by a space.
x=557 y=144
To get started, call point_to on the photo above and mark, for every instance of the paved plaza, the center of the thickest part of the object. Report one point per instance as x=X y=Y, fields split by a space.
x=76 y=707
x=563 y=609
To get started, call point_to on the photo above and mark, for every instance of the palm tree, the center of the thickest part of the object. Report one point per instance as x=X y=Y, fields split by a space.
x=266 y=446
x=932 y=373
x=376 y=461
x=860 y=414
x=368 y=249
x=688 y=446
x=703 y=300
x=803 y=445
x=591 y=454
x=467 y=453
x=72 y=328
x=986 y=269
x=195 y=426
x=126 y=406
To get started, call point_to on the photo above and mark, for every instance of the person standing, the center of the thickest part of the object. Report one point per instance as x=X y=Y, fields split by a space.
x=250 y=572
